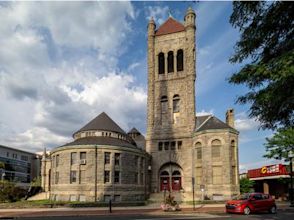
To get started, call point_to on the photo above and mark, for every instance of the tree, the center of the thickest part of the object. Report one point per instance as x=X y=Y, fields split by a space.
x=9 y=192
x=280 y=144
x=266 y=45
x=246 y=185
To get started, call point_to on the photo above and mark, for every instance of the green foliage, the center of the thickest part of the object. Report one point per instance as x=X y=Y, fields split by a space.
x=246 y=185
x=267 y=41
x=36 y=182
x=280 y=144
x=9 y=192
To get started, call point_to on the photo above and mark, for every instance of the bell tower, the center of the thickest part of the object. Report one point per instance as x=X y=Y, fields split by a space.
x=171 y=95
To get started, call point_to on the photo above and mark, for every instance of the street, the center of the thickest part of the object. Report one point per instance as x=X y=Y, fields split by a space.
x=285 y=214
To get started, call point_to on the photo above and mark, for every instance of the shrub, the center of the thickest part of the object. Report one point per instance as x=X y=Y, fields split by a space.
x=9 y=192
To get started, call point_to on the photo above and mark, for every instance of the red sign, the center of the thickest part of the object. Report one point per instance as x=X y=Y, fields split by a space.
x=272 y=170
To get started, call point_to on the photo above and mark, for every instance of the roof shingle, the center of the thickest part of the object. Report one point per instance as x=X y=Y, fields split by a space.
x=102 y=122
x=170 y=26
x=210 y=123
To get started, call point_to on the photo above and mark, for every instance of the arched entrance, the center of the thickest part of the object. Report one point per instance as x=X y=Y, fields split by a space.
x=170 y=177
x=176 y=180
x=164 y=181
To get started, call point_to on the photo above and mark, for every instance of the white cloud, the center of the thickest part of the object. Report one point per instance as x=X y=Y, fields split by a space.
x=159 y=14
x=203 y=112
x=35 y=139
x=58 y=70
x=243 y=123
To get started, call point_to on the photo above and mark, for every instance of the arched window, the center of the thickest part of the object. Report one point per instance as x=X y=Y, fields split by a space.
x=170 y=62
x=164 y=173
x=163 y=102
x=161 y=63
x=176 y=103
x=180 y=60
x=198 y=150
x=176 y=173
x=215 y=148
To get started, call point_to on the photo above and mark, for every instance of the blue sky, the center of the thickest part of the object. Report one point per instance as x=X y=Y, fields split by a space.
x=63 y=63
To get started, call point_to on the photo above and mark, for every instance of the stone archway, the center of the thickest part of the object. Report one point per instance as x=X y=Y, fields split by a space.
x=170 y=177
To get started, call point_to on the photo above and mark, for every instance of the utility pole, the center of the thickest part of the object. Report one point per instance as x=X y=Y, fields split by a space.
x=291 y=155
x=193 y=177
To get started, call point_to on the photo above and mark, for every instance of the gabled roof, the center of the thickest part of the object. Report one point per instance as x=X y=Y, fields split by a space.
x=134 y=131
x=210 y=122
x=170 y=26
x=102 y=122
x=201 y=119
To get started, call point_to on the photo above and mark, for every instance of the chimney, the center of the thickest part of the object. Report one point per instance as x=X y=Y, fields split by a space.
x=230 y=117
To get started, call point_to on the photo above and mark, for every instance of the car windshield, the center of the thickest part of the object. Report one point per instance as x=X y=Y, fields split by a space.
x=244 y=196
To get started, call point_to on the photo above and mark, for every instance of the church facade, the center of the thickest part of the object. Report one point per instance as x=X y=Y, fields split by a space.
x=188 y=153
x=182 y=154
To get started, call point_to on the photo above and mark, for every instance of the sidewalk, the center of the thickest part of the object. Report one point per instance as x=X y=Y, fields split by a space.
x=151 y=209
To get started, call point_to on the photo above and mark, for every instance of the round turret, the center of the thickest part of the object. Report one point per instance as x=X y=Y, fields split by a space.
x=190 y=17
x=151 y=27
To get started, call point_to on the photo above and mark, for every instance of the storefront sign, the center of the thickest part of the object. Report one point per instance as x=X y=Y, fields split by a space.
x=272 y=170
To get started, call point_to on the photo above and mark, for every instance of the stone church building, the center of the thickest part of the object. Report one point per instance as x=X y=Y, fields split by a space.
x=182 y=153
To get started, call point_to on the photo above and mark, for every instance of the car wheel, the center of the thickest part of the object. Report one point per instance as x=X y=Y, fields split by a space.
x=246 y=210
x=273 y=210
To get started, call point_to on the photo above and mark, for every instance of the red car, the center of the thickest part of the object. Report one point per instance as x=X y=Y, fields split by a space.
x=252 y=202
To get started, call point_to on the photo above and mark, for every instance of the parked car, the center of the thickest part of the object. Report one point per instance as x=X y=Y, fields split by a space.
x=252 y=202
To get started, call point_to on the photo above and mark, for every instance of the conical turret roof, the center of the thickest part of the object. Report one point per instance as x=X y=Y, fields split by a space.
x=102 y=122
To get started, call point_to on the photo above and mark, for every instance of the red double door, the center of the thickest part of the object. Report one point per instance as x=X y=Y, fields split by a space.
x=176 y=183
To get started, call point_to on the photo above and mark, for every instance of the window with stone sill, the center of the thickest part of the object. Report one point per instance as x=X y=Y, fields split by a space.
x=164 y=104
x=73 y=158
x=176 y=103
x=116 y=159
x=83 y=155
x=106 y=176
x=216 y=148
x=198 y=151
x=116 y=177
x=73 y=176
x=106 y=157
